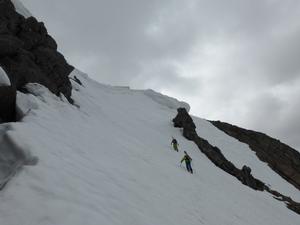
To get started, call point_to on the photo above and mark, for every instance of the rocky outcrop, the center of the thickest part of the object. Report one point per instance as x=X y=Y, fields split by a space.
x=184 y=121
x=29 y=55
x=283 y=159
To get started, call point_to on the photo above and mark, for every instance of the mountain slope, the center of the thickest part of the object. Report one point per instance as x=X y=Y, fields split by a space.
x=108 y=160
x=280 y=157
x=240 y=155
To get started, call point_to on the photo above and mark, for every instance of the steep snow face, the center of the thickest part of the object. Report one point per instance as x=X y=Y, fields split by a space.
x=4 y=81
x=240 y=154
x=20 y=8
x=108 y=160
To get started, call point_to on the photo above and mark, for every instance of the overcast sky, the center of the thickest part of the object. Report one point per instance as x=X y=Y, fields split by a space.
x=236 y=61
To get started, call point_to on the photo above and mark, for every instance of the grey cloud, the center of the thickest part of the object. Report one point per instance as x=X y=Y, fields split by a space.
x=231 y=54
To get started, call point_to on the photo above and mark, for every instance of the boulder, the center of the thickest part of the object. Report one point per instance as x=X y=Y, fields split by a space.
x=183 y=120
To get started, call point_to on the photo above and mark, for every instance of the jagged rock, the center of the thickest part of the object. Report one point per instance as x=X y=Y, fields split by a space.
x=247 y=179
x=29 y=54
x=183 y=120
x=280 y=157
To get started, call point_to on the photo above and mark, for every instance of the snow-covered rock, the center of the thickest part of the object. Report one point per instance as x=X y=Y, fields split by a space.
x=30 y=37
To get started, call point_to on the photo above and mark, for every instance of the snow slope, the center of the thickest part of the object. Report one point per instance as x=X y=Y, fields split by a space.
x=240 y=154
x=108 y=160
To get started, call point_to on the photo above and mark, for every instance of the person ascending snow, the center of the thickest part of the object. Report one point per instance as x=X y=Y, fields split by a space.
x=175 y=144
x=188 y=161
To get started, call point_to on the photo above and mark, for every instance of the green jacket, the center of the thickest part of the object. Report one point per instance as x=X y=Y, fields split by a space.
x=186 y=158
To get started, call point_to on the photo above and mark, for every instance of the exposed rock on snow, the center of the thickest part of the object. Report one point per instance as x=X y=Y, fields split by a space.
x=183 y=120
x=110 y=161
x=283 y=159
x=29 y=54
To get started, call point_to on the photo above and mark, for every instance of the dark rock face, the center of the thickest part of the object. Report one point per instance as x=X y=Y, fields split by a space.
x=283 y=159
x=183 y=120
x=7 y=103
x=29 y=54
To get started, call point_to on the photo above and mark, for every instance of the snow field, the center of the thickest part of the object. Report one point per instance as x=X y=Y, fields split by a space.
x=110 y=162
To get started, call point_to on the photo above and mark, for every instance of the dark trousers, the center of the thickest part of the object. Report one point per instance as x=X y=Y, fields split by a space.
x=188 y=166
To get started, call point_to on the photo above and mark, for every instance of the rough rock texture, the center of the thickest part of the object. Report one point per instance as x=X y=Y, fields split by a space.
x=29 y=55
x=283 y=159
x=183 y=120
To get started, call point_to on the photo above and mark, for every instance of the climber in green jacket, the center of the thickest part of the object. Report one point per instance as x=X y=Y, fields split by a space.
x=175 y=144
x=188 y=161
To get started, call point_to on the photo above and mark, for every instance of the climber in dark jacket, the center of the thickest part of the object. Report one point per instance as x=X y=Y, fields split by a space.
x=175 y=144
x=188 y=161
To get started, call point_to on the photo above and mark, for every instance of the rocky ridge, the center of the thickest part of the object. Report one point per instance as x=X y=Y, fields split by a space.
x=183 y=120
x=28 y=54
x=280 y=157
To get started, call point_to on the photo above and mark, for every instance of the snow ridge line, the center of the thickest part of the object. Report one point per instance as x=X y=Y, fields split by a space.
x=183 y=120
x=281 y=158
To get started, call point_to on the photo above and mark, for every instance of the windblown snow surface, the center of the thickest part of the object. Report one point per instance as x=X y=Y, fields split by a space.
x=108 y=160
